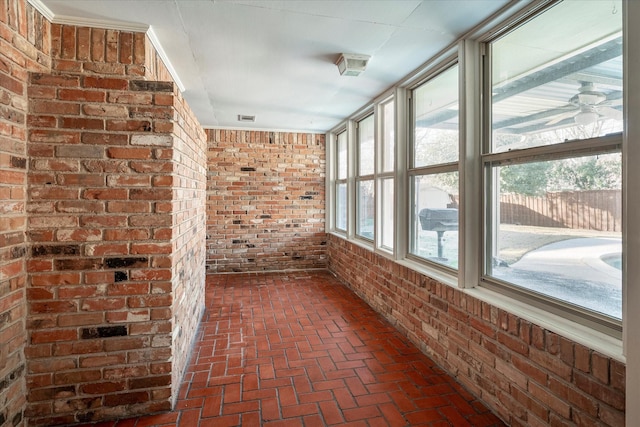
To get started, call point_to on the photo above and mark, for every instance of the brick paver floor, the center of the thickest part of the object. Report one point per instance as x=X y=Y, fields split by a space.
x=300 y=349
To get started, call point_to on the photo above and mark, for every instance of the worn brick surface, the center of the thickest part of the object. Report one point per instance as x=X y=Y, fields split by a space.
x=24 y=41
x=116 y=196
x=265 y=201
x=188 y=233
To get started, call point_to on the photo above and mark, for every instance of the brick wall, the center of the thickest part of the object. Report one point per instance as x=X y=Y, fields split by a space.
x=116 y=190
x=24 y=47
x=154 y=68
x=528 y=375
x=189 y=234
x=265 y=201
x=98 y=51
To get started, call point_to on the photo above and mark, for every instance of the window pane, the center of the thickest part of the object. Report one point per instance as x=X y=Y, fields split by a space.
x=556 y=230
x=435 y=118
x=435 y=218
x=365 y=209
x=558 y=77
x=388 y=137
x=341 y=153
x=387 y=205
x=341 y=206
x=366 y=149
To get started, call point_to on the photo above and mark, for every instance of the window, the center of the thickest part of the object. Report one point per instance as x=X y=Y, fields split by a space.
x=385 y=176
x=341 y=182
x=535 y=137
x=552 y=163
x=364 y=178
x=433 y=171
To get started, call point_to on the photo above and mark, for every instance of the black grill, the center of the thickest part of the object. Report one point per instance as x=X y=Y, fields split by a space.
x=439 y=220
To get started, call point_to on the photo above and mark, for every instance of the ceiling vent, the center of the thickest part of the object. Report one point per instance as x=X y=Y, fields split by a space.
x=243 y=118
x=351 y=64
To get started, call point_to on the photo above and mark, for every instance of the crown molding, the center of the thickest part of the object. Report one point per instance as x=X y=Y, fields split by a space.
x=40 y=7
x=87 y=22
x=151 y=34
x=100 y=23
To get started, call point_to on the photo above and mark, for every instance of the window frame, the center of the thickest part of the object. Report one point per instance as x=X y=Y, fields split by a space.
x=336 y=181
x=574 y=149
x=382 y=175
x=612 y=143
x=359 y=178
x=412 y=171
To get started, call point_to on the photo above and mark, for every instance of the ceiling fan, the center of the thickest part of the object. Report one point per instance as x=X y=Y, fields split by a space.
x=587 y=106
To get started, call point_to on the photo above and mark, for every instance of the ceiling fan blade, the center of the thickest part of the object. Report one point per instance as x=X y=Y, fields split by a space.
x=562 y=116
x=610 y=113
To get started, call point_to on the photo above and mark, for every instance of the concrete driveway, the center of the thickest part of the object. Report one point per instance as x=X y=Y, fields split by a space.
x=572 y=270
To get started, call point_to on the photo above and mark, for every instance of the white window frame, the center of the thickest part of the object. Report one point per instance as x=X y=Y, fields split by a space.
x=413 y=171
x=358 y=177
x=383 y=175
x=335 y=180
x=594 y=146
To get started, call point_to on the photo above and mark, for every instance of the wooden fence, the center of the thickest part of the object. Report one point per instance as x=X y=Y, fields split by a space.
x=599 y=210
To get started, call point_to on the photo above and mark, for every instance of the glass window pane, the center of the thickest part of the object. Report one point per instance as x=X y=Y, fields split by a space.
x=388 y=137
x=386 y=220
x=366 y=149
x=341 y=206
x=341 y=154
x=435 y=118
x=558 y=77
x=435 y=218
x=364 y=225
x=557 y=230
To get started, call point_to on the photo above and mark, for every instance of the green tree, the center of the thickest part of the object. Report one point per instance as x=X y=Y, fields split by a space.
x=530 y=179
x=588 y=173
x=574 y=174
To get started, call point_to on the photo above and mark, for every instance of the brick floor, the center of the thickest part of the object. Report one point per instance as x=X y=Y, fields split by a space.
x=299 y=349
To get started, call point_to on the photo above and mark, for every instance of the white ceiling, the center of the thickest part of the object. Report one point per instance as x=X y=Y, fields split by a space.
x=275 y=58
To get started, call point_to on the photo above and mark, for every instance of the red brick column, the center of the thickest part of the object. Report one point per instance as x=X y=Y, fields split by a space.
x=100 y=205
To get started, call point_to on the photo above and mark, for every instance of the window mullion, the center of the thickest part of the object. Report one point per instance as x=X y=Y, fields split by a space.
x=402 y=124
x=351 y=184
x=377 y=161
x=470 y=225
x=330 y=183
